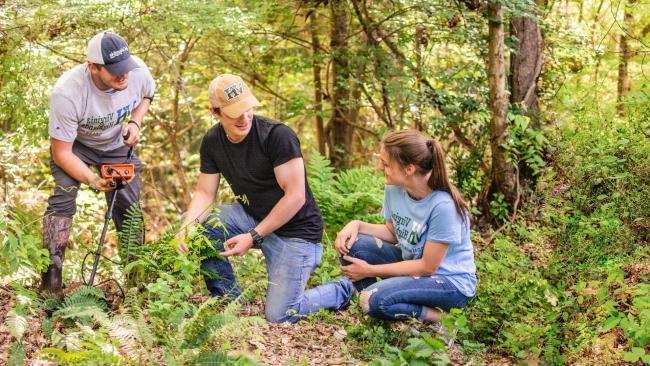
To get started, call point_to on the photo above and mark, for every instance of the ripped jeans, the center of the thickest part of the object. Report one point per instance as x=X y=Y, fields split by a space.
x=403 y=297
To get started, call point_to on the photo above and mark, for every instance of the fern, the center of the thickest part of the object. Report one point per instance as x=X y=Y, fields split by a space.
x=319 y=169
x=16 y=354
x=85 y=303
x=124 y=329
x=143 y=333
x=17 y=324
x=211 y=359
x=199 y=329
x=131 y=234
x=84 y=292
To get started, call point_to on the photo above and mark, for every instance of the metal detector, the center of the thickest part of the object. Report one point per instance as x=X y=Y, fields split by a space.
x=118 y=174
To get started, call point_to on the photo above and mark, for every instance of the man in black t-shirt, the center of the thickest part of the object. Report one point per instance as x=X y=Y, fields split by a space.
x=275 y=209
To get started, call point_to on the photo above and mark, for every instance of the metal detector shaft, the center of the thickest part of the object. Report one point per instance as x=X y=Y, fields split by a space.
x=107 y=219
x=98 y=253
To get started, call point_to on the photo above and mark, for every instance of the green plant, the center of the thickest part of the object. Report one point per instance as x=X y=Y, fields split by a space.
x=499 y=207
x=21 y=252
x=526 y=144
x=421 y=350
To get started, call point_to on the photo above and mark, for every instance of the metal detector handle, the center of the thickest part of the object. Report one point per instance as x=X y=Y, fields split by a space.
x=129 y=154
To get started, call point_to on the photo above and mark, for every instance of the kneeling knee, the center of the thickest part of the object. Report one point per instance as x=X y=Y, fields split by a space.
x=281 y=315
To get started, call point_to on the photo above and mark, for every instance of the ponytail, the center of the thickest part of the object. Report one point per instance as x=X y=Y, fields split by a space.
x=439 y=180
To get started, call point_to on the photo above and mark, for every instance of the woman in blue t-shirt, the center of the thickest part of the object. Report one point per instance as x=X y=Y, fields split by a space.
x=423 y=250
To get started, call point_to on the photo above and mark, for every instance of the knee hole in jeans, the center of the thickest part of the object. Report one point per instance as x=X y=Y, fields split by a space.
x=364 y=299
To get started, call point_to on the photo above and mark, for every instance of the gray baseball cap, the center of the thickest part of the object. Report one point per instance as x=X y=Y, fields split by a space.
x=112 y=51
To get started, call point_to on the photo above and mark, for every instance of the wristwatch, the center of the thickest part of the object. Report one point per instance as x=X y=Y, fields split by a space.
x=257 y=238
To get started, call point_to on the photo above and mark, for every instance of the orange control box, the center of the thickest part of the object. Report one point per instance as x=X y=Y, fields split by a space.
x=118 y=171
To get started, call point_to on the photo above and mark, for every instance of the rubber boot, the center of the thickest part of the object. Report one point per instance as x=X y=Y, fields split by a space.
x=56 y=233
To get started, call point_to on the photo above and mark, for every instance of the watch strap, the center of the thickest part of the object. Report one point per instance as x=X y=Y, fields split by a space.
x=257 y=238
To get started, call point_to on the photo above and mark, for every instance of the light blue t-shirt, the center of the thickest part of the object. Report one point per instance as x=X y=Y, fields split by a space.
x=433 y=218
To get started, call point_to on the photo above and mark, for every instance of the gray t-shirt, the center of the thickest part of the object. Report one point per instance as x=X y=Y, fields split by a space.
x=80 y=111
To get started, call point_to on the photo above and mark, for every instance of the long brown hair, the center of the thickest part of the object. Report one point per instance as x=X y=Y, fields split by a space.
x=412 y=147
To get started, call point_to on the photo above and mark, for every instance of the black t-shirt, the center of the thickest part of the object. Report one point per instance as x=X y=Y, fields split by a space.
x=248 y=168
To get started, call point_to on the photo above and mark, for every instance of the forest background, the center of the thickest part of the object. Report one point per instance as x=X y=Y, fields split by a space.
x=542 y=107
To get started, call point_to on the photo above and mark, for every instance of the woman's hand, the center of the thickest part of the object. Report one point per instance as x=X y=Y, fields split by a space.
x=358 y=269
x=346 y=237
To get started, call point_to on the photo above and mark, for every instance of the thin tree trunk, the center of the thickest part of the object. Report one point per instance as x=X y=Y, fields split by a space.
x=420 y=44
x=503 y=176
x=624 y=59
x=175 y=123
x=526 y=65
x=341 y=131
x=318 y=86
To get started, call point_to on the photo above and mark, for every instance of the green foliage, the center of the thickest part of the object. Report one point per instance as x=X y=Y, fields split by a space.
x=22 y=254
x=346 y=195
x=423 y=350
x=90 y=354
x=499 y=207
x=82 y=304
x=131 y=234
x=526 y=144
x=16 y=354
x=16 y=323
x=555 y=285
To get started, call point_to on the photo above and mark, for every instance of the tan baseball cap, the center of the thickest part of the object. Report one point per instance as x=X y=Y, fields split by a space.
x=230 y=94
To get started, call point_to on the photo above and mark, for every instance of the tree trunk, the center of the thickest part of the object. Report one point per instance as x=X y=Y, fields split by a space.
x=526 y=65
x=624 y=59
x=341 y=131
x=503 y=176
x=318 y=87
x=172 y=129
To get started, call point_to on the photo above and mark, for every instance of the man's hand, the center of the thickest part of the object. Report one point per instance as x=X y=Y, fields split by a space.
x=358 y=269
x=131 y=132
x=238 y=245
x=101 y=184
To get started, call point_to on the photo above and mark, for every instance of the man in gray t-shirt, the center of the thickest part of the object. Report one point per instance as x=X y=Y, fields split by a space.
x=92 y=106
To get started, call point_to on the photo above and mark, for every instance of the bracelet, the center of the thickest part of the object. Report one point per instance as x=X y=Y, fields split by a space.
x=135 y=123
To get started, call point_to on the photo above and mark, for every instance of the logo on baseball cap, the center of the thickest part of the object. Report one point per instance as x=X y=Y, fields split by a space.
x=111 y=50
x=230 y=94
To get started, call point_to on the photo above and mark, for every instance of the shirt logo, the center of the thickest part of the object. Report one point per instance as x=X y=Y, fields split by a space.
x=234 y=91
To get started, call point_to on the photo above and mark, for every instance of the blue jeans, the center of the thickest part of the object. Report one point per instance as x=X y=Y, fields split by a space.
x=289 y=263
x=401 y=297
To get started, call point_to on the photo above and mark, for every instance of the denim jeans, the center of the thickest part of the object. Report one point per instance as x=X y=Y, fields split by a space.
x=289 y=263
x=401 y=297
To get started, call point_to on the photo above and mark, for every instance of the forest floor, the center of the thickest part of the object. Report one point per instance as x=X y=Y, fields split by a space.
x=311 y=342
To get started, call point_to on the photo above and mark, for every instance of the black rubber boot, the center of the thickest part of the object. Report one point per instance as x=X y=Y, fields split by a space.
x=56 y=233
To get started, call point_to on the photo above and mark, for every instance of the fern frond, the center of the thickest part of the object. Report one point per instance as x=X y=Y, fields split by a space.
x=202 y=326
x=211 y=359
x=85 y=303
x=241 y=325
x=85 y=292
x=17 y=324
x=131 y=234
x=124 y=329
x=319 y=169
x=16 y=354
x=364 y=179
